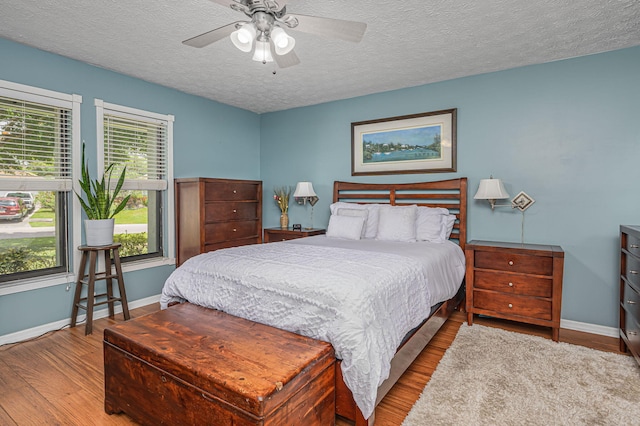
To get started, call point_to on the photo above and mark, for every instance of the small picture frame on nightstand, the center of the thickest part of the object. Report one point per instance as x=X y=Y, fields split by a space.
x=297 y=227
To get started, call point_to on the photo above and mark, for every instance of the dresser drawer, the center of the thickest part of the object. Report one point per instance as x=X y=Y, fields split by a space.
x=505 y=261
x=224 y=211
x=633 y=270
x=631 y=302
x=632 y=331
x=633 y=244
x=509 y=304
x=228 y=244
x=218 y=232
x=513 y=283
x=230 y=191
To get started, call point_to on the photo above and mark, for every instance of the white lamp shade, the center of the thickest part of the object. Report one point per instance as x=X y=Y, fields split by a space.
x=491 y=189
x=282 y=41
x=243 y=37
x=262 y=52
x=304 y=189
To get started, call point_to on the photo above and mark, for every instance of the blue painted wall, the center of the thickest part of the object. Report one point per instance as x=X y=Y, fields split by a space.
x=210 y=139
x=567 y=133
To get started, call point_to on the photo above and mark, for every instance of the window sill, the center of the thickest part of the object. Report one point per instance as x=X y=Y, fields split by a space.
x=69 y=279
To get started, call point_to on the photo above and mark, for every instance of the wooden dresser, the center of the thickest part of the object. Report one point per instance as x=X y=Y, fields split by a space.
x=630 y=290
x=518 y=282
x=216 y=213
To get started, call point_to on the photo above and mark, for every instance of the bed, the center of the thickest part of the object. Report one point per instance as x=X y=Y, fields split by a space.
x=379 y=316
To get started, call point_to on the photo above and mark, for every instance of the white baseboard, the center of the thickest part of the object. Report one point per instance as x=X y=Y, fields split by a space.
x=30 y=333
x=590 y=328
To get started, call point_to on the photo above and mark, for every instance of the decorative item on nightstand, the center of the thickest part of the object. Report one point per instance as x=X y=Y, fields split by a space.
x=304 y=192
x=281 y=195
x=493 y=189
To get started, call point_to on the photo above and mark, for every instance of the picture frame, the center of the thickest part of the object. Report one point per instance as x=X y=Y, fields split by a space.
x=417 y=143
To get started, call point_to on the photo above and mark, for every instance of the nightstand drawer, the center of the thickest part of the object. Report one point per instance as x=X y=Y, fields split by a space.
x=512 y=304
x=513 y=283
x=505 y=261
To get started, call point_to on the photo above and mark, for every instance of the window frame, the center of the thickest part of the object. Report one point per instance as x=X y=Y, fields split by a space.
x=167 y=207
x=72 y=102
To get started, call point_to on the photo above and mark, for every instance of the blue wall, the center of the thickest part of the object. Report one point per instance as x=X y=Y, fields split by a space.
x=209 y=140
x=567 y=133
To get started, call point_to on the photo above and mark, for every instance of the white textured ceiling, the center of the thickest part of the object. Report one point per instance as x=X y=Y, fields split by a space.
x=407 y=43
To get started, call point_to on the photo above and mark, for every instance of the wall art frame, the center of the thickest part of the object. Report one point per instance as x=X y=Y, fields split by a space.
x=417 y=143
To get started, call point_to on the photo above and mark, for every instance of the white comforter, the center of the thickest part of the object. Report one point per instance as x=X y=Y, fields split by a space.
x=361 y=296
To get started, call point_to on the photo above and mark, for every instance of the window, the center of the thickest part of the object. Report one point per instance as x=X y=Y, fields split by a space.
x=37 y=132
x=140 y=141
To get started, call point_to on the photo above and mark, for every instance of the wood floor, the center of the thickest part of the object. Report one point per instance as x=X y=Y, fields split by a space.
x=58 y=379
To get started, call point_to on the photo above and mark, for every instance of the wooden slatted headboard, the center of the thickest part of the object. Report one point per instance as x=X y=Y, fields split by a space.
x=450 y=194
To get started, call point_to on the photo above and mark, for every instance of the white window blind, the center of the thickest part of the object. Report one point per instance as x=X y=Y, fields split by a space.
x=35 y=142
x=140 y=144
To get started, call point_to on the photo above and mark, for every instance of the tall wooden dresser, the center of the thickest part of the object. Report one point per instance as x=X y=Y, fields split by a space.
x=630 y=290
x=216 y=213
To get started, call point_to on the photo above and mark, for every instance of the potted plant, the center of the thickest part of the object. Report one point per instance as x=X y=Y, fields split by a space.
x=100 y=206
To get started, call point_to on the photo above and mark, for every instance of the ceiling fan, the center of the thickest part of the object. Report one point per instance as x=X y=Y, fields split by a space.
x=265 y=30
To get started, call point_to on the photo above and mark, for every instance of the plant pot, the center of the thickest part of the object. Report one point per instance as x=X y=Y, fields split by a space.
x=99 y=232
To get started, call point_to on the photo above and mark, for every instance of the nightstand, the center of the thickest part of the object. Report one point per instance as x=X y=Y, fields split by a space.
x=518 y=282
x=278 y=234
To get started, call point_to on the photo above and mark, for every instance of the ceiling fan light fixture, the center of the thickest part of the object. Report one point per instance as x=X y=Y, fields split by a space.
x=262 y=52
x=243 y=37
x=282 y=41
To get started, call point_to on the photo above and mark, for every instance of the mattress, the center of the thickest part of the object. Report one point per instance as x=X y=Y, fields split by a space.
x=362 y=296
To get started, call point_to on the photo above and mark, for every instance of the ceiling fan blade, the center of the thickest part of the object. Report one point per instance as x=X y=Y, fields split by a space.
x=228 y=3
x=328 y=27
x=285 y=61
x=212 y=36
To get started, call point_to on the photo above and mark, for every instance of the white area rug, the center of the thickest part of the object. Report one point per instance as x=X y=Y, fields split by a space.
x=491 y=376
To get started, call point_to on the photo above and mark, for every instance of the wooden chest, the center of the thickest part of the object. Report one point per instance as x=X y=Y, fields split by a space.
x=193 y=365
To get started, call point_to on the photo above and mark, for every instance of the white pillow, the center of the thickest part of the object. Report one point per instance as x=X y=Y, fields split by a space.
x=371 y=228
x=447 y=223
x=434 y=224
x=347 y=227
x=363 y=213
x=429 y=223
x=397 y=223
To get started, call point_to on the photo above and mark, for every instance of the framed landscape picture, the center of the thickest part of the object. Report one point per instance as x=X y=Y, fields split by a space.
x=418 y=143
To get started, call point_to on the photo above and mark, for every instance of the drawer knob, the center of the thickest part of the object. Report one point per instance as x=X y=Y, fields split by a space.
x=235 y=211
x=284 y=239
x=511 y=263
x=633 y=246
x=510 y=305
x=510 y=284
x=631 y=302
x=234 y=229
x=632 y=333
x=632 y=272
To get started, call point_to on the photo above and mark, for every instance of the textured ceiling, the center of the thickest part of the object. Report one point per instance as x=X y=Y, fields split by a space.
x=407 y=43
